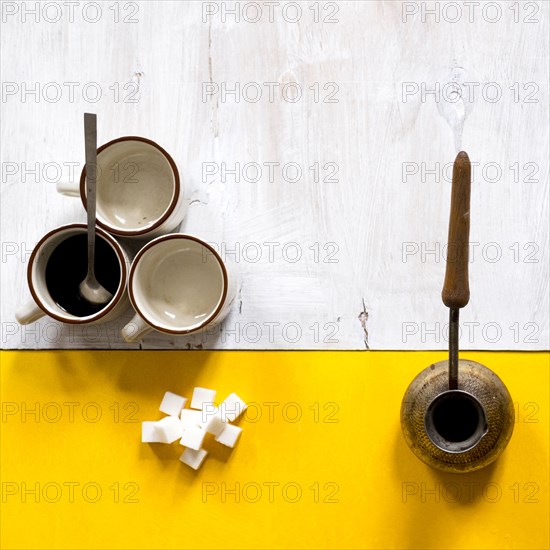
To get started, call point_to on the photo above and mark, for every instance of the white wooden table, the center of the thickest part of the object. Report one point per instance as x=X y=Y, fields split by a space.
x=315 y=142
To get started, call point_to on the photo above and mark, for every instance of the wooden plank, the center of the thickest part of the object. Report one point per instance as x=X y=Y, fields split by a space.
x=354 y=245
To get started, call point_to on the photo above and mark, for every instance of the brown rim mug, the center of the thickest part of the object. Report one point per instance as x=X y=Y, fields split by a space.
x=43 y=303
x=139 y=191
x=178 y=284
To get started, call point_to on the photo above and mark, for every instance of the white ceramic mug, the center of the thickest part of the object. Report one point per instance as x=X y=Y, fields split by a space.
x=139 y=193
x=44 y=304
x=178 y=284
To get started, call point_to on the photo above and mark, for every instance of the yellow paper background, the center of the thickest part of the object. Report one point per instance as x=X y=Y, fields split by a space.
x=385 y=497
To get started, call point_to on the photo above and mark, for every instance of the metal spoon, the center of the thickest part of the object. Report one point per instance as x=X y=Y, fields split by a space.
x=90 y=288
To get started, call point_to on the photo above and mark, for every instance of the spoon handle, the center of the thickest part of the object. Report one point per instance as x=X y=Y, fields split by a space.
x=456 y=290
x=90 y=142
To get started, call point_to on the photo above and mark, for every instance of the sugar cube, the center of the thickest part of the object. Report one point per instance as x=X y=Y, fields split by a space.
x=232 y=407
x=190 y=417
x=229 y=435
x=193 y=458
x=149 y=433
x=169 y=429
x=172 y=403
x=192 y=437
x=211 y=421
x=202 y=396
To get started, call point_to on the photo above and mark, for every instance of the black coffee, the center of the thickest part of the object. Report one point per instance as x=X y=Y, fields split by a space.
x=456 y=418
x=67 y=268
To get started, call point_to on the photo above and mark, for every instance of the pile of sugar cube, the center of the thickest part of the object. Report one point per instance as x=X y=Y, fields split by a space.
x=191 y=425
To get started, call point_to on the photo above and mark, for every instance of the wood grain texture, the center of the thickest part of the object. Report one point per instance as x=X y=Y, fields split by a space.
x=350 y=254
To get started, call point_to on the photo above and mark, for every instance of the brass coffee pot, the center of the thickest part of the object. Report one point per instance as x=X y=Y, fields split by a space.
x=457 y=415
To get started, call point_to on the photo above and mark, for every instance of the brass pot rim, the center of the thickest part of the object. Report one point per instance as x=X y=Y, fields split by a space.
x=455 y=446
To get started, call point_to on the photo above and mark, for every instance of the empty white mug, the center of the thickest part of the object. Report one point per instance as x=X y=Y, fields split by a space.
x=43 y=303
x=178 y=284
x=139 y=192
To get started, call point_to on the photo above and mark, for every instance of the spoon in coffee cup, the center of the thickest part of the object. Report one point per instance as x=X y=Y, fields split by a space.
x=90 y=288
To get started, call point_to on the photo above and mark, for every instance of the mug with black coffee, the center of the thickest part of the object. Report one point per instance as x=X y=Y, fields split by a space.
x=57 y=266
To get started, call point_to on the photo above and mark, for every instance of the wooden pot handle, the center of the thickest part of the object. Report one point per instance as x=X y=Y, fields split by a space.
x=456 y=290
